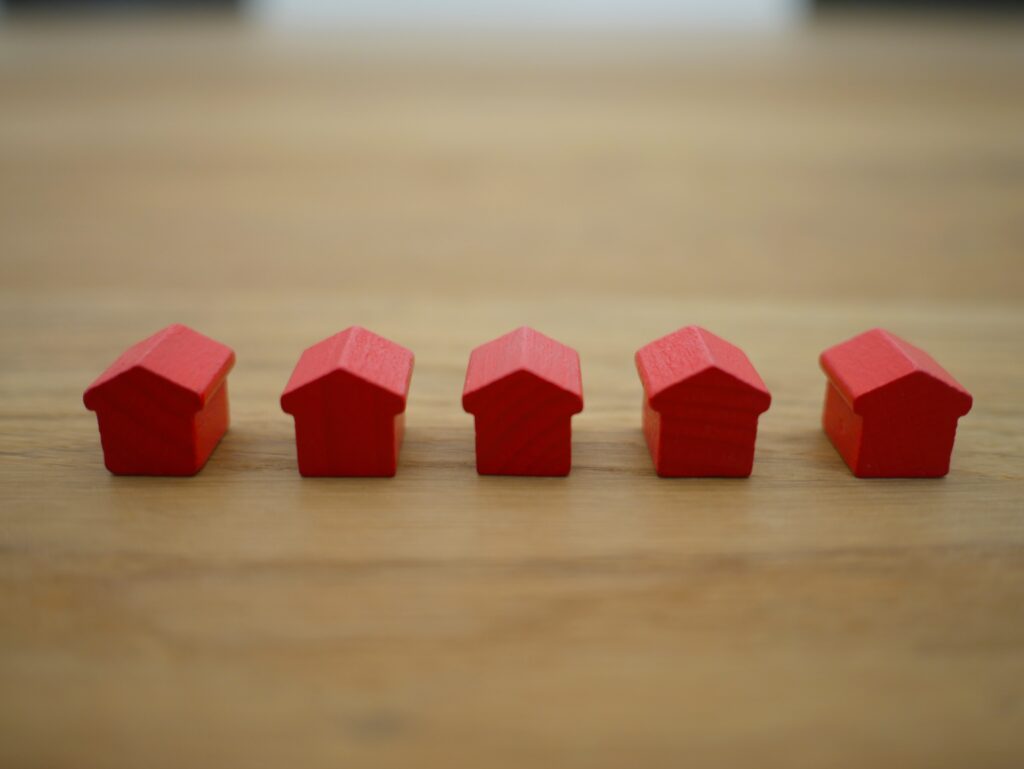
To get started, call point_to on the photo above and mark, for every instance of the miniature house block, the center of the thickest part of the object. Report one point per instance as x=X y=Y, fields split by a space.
x=522 y=390
x=162 y=407
x=348 y=395
x=702 y=399
x=890 y=410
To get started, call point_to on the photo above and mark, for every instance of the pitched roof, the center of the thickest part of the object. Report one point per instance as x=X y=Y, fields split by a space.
x=191 y=364
x=691 y=353
x=524 y=350
x=361 y=354
x=866 y=364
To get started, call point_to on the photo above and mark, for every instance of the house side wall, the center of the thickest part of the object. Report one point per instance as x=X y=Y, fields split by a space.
x=908 y=445
x=523 y=443
x=908 y=438
x=211 y=423
x=339 y=432
x=706 y=442
x=146 y=441
x=843 y=427
x=652 y=430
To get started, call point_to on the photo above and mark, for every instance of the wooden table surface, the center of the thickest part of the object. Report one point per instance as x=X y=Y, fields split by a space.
x=270 y=190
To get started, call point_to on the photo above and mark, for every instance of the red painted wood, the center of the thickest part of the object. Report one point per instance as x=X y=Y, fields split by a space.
x=522 y=389
x=162 y=407
x=702 y=399
x=890 y=409
x=348 y=395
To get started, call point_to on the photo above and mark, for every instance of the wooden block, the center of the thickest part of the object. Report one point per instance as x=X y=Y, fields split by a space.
x=523 y=388
x=702 y=398
x=348 y=395
x=162 y=407
x=890 y=410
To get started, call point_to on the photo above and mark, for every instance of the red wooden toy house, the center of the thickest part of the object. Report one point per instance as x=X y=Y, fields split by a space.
x=890 y=409
x=162 y=406
x=523 y=389
x=702 y=399
x=348 y=395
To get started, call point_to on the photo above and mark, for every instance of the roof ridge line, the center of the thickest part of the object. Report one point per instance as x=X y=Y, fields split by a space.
x=915 y=366
x=522 y=345
x=898 y=343
x=346 y=344
x=701 y=331
x=154 y=341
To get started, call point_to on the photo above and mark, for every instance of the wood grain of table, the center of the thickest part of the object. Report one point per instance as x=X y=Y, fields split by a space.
x=269 y=190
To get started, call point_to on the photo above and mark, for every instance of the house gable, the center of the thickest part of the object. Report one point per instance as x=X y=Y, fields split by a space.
x=715 y=388
x=522 y=387
x=342 y=390
x=917 y=392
